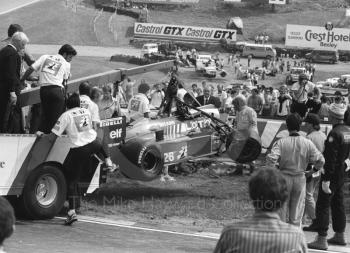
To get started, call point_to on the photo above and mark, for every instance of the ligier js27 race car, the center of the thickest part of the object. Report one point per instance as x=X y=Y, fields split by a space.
x=33 y=175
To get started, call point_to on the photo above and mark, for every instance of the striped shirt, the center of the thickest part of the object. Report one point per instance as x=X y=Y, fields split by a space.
x=264 y=232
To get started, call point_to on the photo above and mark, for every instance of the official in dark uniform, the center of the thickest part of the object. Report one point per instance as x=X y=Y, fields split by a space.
x=10 y=85
x=337 y=149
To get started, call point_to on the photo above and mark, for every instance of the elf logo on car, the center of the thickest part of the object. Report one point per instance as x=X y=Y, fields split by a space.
x=116 y=134
x=141 y=154
x=2 y=165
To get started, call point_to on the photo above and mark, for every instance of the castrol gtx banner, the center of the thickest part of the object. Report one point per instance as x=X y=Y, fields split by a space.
x=182 y=33
x=166 y=1
x=318 y=37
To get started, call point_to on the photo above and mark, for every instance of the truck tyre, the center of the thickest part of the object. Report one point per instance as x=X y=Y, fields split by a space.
x=44 y=193
x=146 y=159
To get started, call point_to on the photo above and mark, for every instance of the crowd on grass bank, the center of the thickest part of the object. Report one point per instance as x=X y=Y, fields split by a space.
x=281 y=194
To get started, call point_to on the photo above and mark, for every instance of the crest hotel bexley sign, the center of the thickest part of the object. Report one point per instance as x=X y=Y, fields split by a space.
x=318 y=37
x=182 y=33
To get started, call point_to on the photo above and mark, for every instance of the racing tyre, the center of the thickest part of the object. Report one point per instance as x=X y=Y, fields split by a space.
x=146 y=160
x=44 y=193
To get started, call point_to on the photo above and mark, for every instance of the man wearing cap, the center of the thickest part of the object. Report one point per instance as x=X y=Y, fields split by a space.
x=331 y=195
x=292 y=154
x=299 y=95
x=314 y=133
x=139 y=103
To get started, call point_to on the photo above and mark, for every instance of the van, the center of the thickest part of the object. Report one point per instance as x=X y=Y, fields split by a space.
x=149 y=49
x=259 y=51
x=322 y=56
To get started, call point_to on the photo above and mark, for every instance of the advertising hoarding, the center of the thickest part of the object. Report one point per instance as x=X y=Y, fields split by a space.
x=183 y=33
x=166 y=1
x=277 y=1
x=317 y=37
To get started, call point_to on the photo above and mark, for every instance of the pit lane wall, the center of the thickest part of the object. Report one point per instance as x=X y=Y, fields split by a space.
x=18 y=152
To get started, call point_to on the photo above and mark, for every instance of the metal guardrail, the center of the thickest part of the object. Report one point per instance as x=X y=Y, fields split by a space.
x=32 y=96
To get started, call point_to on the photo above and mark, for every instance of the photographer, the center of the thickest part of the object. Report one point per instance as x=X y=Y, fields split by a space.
x=299 y=95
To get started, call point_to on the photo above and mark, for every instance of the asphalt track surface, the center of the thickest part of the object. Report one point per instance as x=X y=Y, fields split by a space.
x=7 y=6
x=93 y=235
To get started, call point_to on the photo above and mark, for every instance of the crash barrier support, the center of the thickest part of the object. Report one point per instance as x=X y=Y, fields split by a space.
x=32 y=96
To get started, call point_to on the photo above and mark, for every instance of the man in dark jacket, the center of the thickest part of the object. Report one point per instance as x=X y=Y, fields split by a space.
x=207 y=99
x=10 y=67
x=337 y=149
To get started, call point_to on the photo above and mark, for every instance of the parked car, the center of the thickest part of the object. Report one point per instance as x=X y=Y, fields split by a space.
x=294 y=73
x=322 y=56
x=259 y=51
x=149 y=49
x=344 y=55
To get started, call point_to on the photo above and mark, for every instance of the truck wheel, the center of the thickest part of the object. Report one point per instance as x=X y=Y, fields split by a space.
x=44 y=193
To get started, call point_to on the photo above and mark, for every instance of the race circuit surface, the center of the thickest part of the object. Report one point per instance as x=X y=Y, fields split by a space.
x=40 y=236
x=95 y=236
x=7 y=6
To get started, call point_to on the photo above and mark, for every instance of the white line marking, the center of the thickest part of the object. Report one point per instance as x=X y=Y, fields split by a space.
x=206 y=235
x=115 y=224
x=18 y=7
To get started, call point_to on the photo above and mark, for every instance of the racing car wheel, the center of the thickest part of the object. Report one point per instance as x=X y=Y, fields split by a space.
x=244 y=151
x=141 y=160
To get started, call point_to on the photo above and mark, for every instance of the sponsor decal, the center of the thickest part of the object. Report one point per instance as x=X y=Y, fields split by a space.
x=277 y=1
x=114 y=130
x=318 y=37
x=176 y=155
x=2 y=164
x=141 y=154
x=185 y=33
x=166 y=1
x=201 y=123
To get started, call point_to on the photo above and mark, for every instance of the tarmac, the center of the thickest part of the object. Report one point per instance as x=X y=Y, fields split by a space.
x=103 y=235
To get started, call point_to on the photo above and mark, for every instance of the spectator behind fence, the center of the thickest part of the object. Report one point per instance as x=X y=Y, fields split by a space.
x=10 y=84
x=207 y=98
x=283 y=102
x=54 y=71
x=157 y=96
x=255 y=101
x=264 y=232
x=108 y=106
x=323 y=112
x=7 y=221
x=299 y=95
x=293 y=154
